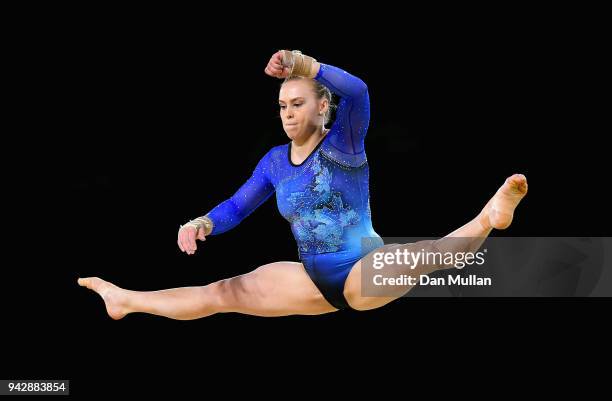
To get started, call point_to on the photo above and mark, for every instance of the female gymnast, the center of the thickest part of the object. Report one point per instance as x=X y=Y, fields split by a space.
x=321 y=183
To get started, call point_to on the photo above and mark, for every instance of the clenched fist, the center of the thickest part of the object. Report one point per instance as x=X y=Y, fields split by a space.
x=275 y=67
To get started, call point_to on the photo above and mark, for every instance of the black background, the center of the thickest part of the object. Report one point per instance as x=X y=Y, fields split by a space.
x=142 y=124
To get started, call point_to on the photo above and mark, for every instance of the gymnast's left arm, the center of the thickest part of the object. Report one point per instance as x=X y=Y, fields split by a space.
x=353 y=114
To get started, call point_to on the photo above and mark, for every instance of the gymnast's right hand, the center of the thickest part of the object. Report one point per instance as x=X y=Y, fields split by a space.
x=187 y=236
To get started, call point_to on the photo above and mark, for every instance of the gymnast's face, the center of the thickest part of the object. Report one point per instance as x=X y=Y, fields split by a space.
x=301 y=112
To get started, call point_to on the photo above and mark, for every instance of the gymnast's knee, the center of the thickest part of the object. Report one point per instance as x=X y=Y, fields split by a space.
x=432 y=254
x=234 y=293
x=217 y=295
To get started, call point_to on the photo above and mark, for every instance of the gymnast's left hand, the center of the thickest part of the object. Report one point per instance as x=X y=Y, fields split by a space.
x=275 y=66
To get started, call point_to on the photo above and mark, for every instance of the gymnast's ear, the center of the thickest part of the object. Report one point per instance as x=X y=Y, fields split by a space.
x=323 y=106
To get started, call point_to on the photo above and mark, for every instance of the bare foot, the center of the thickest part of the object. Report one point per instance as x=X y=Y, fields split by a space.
x=499 y=211
x=113 y=296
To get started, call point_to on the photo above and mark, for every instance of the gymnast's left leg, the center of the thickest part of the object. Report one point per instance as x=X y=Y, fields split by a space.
x=497 y=213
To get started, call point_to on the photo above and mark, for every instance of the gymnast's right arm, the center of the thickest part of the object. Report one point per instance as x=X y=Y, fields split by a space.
x=229 y=213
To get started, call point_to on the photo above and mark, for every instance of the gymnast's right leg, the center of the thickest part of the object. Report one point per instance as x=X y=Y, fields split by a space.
x=275 y=289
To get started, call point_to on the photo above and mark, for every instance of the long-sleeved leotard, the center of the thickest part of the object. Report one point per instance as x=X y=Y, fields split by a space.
x=325 y=198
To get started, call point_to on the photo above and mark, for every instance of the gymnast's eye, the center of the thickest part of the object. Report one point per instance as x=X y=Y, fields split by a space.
x=298 y=104
x=282 y=107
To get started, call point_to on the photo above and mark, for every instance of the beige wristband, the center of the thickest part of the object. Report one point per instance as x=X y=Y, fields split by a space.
x=202 y=222
x=299 y=63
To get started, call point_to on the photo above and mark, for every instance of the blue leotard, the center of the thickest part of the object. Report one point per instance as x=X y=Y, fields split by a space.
x=325 y=198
